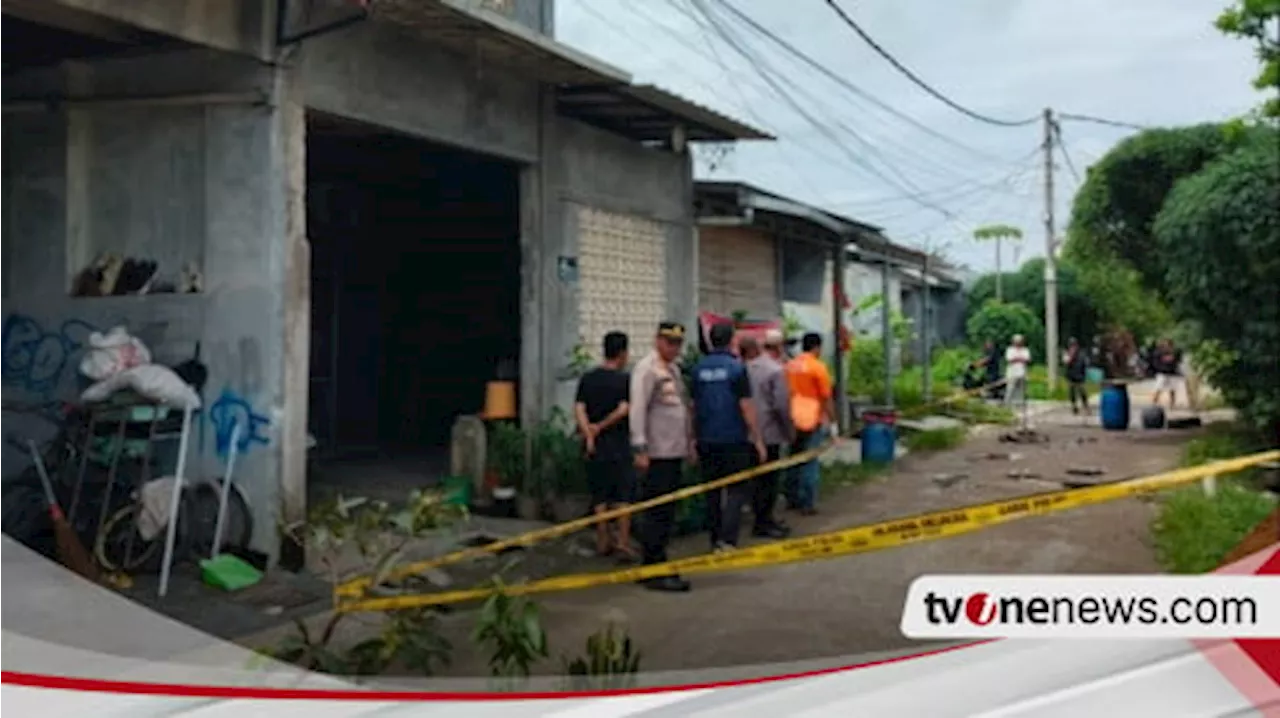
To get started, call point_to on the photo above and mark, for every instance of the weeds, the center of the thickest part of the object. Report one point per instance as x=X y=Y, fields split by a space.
x=935 y=439
x=1194 y=532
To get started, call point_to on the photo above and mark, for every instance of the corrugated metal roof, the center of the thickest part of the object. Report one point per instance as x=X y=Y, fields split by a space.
x=651 y=114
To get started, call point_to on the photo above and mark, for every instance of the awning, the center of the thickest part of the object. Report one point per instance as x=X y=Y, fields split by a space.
x=471 y=30
x=650 y=114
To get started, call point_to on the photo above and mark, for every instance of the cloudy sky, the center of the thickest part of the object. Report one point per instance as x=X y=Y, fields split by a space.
x=866 y=150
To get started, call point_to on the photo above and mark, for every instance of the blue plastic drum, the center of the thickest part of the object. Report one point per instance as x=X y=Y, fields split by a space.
x=1114 y=407
x=879 y=437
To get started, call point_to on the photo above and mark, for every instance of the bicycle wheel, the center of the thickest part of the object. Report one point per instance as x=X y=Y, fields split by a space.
x=203 y=519
x=120 y=547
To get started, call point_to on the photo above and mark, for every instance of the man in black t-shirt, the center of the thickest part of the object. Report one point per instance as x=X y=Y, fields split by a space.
x=601 y=411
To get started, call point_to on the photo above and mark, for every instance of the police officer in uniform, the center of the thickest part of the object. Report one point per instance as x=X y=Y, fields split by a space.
x=660 y=443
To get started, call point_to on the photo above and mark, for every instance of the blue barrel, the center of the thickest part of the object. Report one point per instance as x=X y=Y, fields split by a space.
x=1114 y=407
x=879 y=437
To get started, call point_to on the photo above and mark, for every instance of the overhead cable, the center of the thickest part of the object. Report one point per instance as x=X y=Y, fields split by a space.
x=920 y=82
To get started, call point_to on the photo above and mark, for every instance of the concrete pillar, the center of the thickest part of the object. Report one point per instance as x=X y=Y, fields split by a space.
x=296 y=370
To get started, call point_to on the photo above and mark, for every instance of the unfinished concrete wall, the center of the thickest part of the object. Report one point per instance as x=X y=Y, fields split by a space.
x=198 y=181
x=593 y=168
x=386 y=76
x=244 y=26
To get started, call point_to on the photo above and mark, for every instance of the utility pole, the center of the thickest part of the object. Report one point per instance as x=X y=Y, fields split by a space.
x=1050 y=262
x=926 y=360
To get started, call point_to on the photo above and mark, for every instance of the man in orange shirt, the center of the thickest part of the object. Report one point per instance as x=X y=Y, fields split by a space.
x=811 y=408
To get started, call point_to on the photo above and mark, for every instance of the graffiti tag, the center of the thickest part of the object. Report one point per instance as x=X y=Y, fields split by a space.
x=36 y=360
x=228 y=412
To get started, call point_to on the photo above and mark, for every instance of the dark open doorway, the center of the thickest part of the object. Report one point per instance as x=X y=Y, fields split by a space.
x=415 y=296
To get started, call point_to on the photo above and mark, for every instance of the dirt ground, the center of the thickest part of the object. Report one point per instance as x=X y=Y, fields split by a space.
x=852 y=605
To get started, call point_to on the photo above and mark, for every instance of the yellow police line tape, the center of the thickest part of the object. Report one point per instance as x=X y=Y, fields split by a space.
x=857 y=540
x=358 y=586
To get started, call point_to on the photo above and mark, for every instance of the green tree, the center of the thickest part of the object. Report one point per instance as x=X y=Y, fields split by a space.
x=1220 y=235
x=1112 y=213
x=999 y=321
x=1077 y=312
x=1259 y=21
x=1119 y=297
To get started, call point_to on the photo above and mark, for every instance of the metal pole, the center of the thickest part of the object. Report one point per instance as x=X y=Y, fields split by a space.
x=1050 y=263
x=842 y=394
x=926 y=353
x=886 y=333
x=999 y=273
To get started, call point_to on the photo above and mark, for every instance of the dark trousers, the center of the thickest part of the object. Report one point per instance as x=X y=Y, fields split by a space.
x=663 y=477
x=724 y=506
x=1078 y=393
x=765 y=491
x=791 y=480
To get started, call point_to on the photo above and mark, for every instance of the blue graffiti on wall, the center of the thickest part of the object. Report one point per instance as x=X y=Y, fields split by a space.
x=35 y=360
x=229 y=411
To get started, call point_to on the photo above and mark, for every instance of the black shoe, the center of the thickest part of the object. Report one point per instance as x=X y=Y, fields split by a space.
x=669 y=584
x=773 y=532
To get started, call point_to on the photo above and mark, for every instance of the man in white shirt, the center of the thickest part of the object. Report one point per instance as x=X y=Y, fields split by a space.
x=1016 y=359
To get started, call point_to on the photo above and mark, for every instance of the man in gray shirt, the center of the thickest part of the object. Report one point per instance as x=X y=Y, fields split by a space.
x=772 y=395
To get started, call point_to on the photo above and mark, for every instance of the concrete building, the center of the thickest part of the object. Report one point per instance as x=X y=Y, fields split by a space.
x=388 y=204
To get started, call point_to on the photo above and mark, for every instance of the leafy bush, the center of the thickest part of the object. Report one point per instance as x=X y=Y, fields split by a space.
x=1219 y=237
x=866 y=368
x=998 y=322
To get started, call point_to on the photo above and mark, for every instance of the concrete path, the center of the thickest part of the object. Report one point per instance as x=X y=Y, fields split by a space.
x=852 y=605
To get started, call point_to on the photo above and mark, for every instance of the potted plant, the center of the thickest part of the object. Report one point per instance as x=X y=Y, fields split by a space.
x=562 y=469
x=557 y=477
x=506 y=460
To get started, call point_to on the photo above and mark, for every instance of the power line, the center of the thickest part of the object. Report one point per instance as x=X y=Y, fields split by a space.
x=1100 y=121
x=767 y=74
x=1066 y=156
x=919 y=160
x=847 y=85
x=921 y=83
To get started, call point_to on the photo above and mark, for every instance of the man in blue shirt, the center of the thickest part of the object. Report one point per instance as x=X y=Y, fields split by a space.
x=726 y=435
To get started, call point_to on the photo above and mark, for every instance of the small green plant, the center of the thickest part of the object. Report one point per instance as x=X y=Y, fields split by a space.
x=411 y=637
x=578 y=361
x=558 y=468
x=378 y=534
x=510 y=628
x=935 y=439
x=611 y=662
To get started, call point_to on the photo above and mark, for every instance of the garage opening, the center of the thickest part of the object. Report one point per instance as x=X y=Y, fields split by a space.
x=415 y=300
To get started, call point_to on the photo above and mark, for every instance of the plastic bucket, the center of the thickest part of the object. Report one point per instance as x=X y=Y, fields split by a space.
x=457 y=490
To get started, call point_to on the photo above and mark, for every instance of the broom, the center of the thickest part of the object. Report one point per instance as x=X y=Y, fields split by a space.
x=71 y=552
